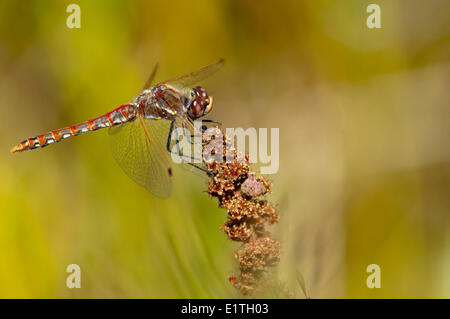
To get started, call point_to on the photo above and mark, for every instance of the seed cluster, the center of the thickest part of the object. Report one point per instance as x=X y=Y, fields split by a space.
x=238 y=191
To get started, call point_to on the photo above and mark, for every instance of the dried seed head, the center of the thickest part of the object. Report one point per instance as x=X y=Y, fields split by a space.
x=237 y=188
x=253 y=187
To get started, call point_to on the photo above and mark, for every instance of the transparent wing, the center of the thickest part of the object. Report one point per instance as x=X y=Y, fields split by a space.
x=150 y=78
x=186 y=80
x=139 y=149
x=190 y=161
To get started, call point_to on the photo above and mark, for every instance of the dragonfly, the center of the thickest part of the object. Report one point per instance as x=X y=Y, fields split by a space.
x=140 y=132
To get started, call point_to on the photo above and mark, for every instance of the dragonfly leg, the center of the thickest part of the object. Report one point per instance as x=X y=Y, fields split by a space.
x=188 y=159
x=193 y=140
x=211 y=121
x=203 y=129
x=204 y=170
x=169 y=139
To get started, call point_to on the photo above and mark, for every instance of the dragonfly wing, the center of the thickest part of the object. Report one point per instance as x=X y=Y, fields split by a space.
x=186 y=80
x=190 y=161
x=139 y=149
x=150 y=78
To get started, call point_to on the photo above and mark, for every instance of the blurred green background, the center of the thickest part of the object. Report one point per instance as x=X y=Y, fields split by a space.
x=364 y=156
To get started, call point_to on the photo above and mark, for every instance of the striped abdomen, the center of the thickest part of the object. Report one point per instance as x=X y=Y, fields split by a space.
x=120 y=115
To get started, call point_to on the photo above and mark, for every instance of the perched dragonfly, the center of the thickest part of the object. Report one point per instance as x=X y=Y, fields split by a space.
x=141 y=131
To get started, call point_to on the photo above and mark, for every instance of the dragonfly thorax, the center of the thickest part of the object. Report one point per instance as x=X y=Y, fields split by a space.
x=162 y=102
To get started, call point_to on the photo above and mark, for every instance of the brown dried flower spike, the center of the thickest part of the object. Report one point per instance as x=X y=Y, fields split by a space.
x=237 y=189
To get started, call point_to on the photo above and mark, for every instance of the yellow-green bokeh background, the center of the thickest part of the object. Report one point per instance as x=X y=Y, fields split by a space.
x=364 y=157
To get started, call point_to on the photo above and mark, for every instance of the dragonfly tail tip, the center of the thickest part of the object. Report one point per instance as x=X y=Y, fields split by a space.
x=15 y=149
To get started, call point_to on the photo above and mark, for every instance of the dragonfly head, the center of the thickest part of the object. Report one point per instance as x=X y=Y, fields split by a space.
x=201 y=104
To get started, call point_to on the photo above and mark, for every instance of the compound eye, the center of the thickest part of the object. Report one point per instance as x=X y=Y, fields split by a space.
x=208 y=102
